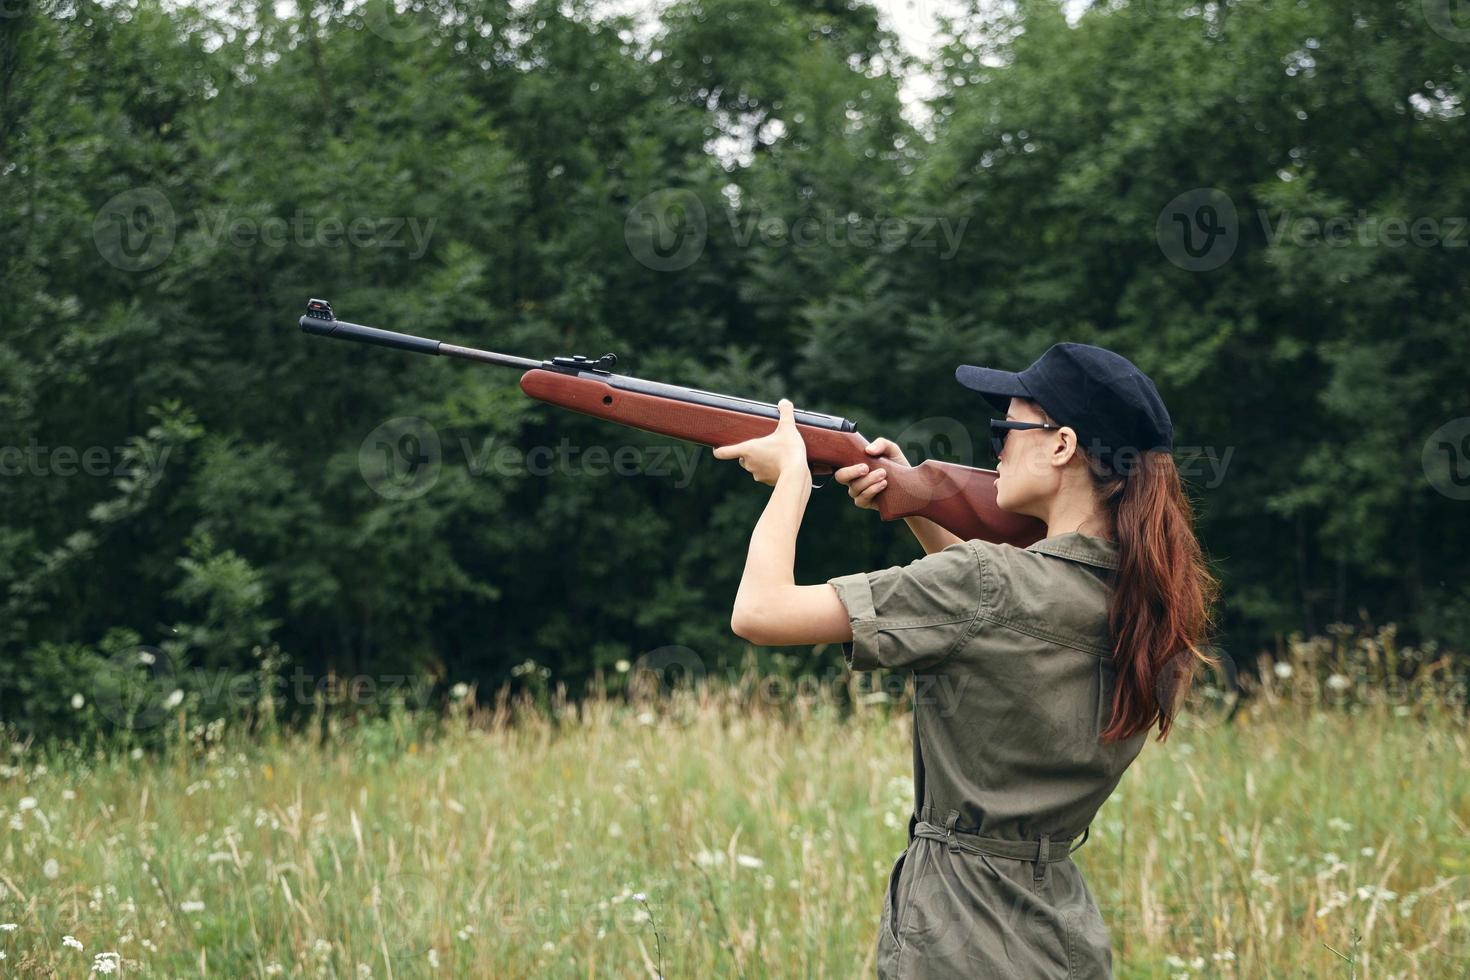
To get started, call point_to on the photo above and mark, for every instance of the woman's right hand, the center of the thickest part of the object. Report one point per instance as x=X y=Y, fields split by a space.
x=864 y=481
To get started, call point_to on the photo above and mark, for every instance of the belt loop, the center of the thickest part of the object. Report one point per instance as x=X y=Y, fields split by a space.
x=949 y=837
x=1043 y=851
x=1086 y=833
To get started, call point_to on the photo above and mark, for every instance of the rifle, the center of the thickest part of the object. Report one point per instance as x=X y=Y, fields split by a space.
x=960 y=499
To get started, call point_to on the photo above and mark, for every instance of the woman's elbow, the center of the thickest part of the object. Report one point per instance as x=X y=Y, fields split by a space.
x=750 y=625
x=747 y=625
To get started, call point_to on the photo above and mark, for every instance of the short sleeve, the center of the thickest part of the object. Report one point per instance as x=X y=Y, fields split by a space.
x=913 y=616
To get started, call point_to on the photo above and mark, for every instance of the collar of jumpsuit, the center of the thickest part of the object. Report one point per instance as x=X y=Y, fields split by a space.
x=1086 y=548
x=1012 y=686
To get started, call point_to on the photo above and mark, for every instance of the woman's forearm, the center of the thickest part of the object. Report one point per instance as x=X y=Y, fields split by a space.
x=931 y=536
x=770 y=564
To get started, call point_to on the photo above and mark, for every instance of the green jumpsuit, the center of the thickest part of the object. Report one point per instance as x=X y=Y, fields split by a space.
x=1013 y=684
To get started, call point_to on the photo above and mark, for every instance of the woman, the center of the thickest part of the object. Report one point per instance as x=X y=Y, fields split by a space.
x=1040 y=671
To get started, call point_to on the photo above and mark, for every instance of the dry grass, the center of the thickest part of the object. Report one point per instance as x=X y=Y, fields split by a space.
x=758 y=838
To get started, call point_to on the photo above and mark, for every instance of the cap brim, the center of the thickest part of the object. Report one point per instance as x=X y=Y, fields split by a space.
x=998 y=387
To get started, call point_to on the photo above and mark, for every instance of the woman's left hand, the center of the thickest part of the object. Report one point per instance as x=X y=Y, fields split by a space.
x=768 y=457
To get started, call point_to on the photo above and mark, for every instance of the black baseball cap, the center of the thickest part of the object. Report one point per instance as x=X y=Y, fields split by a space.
x=1112 y=406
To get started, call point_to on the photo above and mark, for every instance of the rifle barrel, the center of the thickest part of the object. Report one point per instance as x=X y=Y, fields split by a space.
x=343 y=330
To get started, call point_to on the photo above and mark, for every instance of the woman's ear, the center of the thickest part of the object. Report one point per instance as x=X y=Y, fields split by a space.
x=1066 y=446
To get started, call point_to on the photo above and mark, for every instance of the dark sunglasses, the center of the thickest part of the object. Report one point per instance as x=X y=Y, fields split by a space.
x=1000 y=428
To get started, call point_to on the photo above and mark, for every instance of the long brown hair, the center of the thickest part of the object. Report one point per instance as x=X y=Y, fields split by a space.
x=1161 y=610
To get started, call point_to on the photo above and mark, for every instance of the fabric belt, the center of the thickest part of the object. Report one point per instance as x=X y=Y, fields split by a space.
x=1043 y=851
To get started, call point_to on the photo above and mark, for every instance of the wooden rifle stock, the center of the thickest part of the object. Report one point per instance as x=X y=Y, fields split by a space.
x=960 y=499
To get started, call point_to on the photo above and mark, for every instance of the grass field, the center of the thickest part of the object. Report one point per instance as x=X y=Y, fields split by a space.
x=717 y=836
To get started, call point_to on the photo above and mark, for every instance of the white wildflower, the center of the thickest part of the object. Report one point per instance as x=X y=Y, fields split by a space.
x=639 y=897
x=1374 y=893
x=614 y=829
x=191 y=906
x=433 y=958
x=459 y=691
x=274 y=969
x=1225 y=956
x=622 y=666
x=78 y=702
x=1282 y=670
x=364 y=971
x=1340 y=825
x=8 y=927
x=106 y=962
x=709 y=859
x=51 y=869
x=548 y=946
x=1339 y=682
x=27 y=803
x=146 y=658
x=71 y=941
x=749 y=861
x=173 y=700
x=646 y=718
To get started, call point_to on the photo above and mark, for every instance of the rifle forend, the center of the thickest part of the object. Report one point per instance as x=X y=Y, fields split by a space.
x=960 y=499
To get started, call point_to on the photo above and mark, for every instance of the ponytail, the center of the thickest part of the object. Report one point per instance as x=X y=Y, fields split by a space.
x=1160 y=612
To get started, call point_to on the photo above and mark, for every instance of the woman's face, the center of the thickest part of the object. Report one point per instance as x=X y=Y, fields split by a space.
x=1030 y=466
